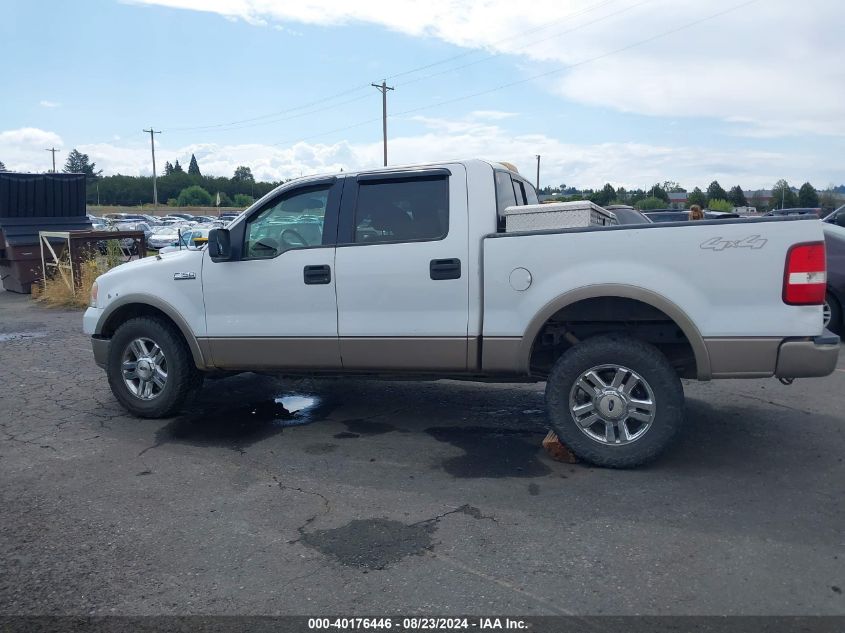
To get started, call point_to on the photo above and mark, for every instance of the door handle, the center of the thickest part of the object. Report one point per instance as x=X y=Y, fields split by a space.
x=445 y=269
x=313 y=275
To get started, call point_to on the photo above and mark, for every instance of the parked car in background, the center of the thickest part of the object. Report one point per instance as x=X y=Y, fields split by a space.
x=192 y=239
x=667 y=215
x=720 y=215
x=834 y=240
x=628 y=215
x=165 y=235
x=181 y=216
x=797 y=211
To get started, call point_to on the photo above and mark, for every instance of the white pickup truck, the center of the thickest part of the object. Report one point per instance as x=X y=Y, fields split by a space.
x=409 y=272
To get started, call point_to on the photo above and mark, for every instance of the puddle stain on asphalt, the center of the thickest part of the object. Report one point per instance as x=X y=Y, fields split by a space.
x=237 y=427
x=378 y=543
x=346 y=435
x=492 y=452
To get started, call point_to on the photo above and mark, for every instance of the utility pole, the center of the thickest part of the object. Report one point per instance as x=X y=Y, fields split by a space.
x=53 y=150
x=538 y=173
x=153 y=148
x=384 y=88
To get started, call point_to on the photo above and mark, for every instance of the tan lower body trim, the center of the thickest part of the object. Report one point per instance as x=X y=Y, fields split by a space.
x=743 y=357
x=502 y=355
x=404 y=353
x=243 y=353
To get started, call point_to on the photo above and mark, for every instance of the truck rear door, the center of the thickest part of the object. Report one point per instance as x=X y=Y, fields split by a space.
x=401 y=261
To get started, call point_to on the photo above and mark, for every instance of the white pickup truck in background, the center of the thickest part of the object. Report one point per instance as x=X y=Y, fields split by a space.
x=409 y=272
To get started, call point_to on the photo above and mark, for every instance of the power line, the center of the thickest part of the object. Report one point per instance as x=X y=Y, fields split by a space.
x=357 y=88
x=537 y=76
x=519 y=48
x=582 y=62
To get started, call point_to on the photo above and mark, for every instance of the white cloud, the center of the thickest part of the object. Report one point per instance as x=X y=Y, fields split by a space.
x=44 y=103
x=771 y=69
x=23 y=149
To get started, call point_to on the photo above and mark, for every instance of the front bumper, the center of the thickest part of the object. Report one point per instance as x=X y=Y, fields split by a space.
x=808 y=358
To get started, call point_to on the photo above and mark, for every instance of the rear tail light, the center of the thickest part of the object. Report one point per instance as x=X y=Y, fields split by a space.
x=805 y=276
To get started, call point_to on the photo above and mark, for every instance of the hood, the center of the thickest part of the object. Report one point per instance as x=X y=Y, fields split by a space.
x=153 y=268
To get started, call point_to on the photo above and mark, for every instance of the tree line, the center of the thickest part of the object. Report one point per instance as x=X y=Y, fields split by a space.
x=715 y=197
x=176 y=187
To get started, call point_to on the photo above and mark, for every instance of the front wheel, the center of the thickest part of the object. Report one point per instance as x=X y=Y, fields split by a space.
x=150 y=369
x=615 y=401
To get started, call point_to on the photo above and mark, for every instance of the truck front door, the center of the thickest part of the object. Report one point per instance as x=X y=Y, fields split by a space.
x=274 y=305
x=402 y=271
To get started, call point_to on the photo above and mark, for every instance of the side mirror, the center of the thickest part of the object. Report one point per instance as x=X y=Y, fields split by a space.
x=219 y=245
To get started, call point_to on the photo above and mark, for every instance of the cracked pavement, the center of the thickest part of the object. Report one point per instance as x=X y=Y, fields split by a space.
x=400 y=497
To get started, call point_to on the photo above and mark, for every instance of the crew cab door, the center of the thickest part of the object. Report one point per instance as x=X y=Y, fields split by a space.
x=274 y=305
x=402 y=271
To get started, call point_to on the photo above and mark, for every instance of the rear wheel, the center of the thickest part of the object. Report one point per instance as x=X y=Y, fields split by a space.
x=150 y=369
x=832 y=314
x=615 y=401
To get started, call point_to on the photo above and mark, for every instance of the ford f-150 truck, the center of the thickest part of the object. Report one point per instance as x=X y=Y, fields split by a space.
x=409 y=272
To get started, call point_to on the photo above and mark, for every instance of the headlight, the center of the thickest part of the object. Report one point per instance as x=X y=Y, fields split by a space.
x=94 y=290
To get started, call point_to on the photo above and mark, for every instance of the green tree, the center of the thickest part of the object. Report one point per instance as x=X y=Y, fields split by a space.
x=651 y=203
x=657 y=191
x=808 y=196
x=737 y=197
x=715 y=191
x=194 y=167
x=782 y=196
x=177 y=168
x=604 y=195
x=78 y=163
x=243 y=174
x=673 y=187
x=720 y=205
x=697 y=197
x=2 y=166
x=243 y=200
x=168 y=168
x=194 y=196
x=758 y=202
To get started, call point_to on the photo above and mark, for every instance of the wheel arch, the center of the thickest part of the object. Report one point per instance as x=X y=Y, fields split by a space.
x=641 y=295
x=127 y=307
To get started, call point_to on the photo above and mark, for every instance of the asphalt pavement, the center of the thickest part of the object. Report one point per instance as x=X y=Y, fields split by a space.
x=350 y=496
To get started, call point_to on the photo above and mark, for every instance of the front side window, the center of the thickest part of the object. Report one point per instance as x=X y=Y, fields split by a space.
x=295 y=220
x=402 y=210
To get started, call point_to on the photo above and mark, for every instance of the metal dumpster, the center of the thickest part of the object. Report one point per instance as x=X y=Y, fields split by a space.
x=30 y=203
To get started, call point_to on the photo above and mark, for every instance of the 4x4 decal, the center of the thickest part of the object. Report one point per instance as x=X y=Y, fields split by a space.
x=719 y=244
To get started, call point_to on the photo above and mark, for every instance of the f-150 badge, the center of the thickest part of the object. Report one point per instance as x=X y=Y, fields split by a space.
x=183 y=276
x=718 y=244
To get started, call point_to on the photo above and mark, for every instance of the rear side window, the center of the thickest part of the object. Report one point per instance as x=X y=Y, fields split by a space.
x=505 y=196
x=530 y=193
x=402 y=210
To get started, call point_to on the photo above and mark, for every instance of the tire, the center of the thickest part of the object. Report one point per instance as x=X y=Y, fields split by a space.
x=638 y=425
x=166 y=395
x=832 y=304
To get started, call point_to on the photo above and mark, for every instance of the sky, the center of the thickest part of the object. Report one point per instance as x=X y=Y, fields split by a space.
x=630 y=92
